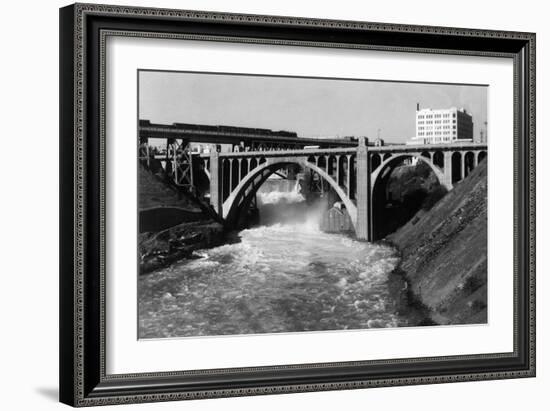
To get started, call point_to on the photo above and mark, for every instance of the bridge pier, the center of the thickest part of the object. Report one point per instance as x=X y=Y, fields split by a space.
x=448 y=170
x=215 y=182
x=363 y=193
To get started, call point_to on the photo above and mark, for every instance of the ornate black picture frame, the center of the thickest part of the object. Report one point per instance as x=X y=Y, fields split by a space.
x=83 y=30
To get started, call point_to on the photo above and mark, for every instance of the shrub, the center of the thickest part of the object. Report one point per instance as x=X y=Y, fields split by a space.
x=423 y=170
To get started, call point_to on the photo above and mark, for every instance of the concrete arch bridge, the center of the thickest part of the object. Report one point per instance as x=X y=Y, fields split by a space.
x=354 y=173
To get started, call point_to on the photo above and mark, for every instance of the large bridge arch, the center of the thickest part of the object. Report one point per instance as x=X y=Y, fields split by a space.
x=257 y=176
x=393 y=161
x=384 y=221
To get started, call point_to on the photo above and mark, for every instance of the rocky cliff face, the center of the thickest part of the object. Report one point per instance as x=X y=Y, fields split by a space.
x=154 y=192
x=444 y=253
x=171 y=225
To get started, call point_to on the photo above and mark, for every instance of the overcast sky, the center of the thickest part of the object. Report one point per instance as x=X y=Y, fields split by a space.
x=310 y=107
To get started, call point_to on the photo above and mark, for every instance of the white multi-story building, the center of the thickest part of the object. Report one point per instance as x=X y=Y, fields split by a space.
x=440 y=126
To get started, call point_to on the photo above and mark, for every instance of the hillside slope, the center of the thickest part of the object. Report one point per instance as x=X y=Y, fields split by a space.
x=171 y=224
x=154 y=192
x=444 y=253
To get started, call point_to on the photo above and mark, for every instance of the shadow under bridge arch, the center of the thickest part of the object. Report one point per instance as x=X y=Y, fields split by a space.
x=384 y=220
x=389 y=164
x=249 y=185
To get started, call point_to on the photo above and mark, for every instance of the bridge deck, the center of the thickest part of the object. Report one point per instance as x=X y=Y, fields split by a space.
x=401 y=148
x=199 y=136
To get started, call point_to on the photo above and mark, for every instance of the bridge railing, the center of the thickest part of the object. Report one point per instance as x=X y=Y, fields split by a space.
x=427 y=147
x=284 y=153
x=401 y=148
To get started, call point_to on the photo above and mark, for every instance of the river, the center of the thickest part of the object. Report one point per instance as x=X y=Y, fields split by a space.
x=282 y=276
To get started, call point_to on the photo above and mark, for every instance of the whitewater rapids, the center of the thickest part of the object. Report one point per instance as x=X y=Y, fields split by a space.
x=282 y=277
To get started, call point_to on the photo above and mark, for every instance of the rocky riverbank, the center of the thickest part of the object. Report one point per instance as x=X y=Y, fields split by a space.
x=162 y=248
x=171 y=224
x=444 y=253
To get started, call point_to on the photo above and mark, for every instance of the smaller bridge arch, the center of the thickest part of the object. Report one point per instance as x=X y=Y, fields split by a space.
x=375 y=161
x=426 y=154
x=469 y=162
x=457 y=167
x=439 y=159
x=482 y=154
x=253 y=164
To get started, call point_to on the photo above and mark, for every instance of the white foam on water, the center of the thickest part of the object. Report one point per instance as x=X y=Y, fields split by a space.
x=273 y=270
x=281 y=194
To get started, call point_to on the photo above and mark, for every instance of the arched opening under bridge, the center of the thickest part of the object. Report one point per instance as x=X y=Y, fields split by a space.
x=456 y=167
x=237 y=204
x=481 y=156
x=375 y=161
x=468 y=163
x=401 y=186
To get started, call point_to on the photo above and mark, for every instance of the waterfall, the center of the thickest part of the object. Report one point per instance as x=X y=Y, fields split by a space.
x=281 y=202
x=279 y=190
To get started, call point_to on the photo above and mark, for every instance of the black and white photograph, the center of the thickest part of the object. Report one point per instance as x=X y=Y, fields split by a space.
x=280 y=204
x=275 y=205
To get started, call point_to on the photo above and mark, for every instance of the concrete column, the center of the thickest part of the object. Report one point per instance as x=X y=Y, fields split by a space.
x=476 y=154
x=348 y=176
x=215 y=182
x=363 y=224
x=327 y=165
x=448 y=169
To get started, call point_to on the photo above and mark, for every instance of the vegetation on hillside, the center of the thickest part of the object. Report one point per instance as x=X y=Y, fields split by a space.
x=407 y=189
x=444 y=252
